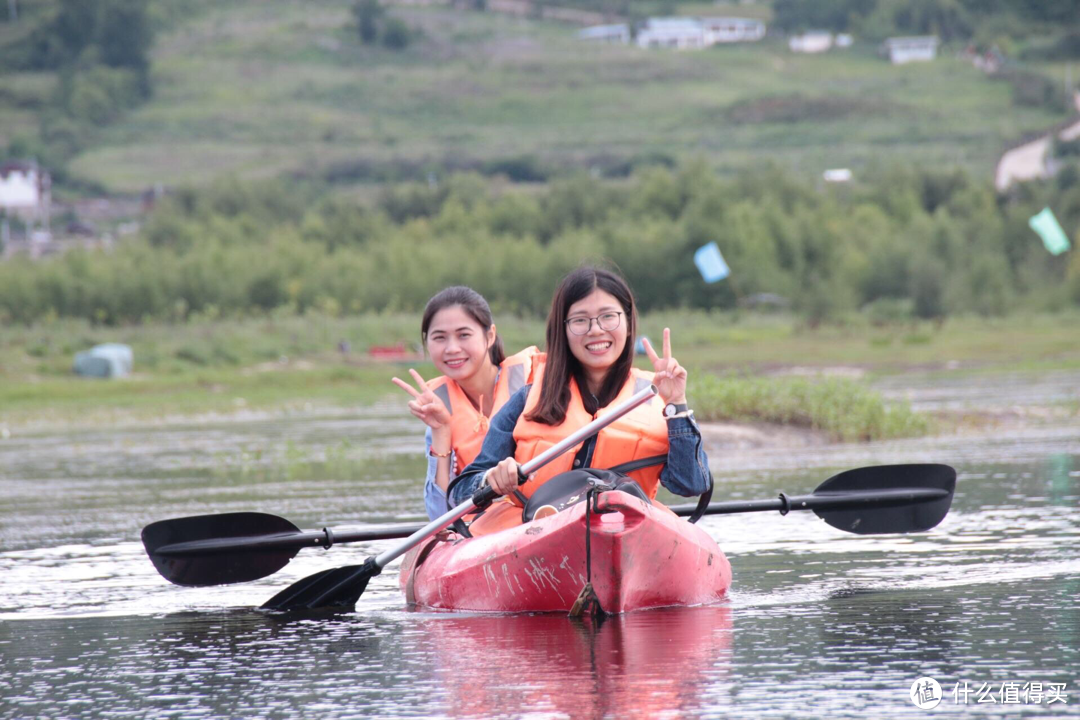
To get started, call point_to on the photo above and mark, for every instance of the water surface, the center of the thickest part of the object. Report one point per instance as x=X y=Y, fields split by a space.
x=818 y=622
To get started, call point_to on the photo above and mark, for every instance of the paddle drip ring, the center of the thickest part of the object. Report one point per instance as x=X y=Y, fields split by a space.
x=329 y=540
x=785 y=506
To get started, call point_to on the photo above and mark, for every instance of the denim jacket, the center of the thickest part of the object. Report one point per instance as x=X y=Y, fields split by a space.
x=686 y=472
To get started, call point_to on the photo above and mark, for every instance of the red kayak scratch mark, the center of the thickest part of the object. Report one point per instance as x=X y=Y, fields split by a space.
x=565 y=565
x=506 y=576
x=674 y=548
x=542 y=576
x=489 y=578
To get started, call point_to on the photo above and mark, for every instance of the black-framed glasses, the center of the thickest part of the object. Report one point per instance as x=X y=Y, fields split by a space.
x=605 y=321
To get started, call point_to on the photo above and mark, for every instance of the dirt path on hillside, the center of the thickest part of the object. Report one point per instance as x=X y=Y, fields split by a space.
x=1033 y=160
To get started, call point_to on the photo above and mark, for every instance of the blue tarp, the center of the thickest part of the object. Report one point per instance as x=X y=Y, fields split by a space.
x=710 y=263
x=110 y=360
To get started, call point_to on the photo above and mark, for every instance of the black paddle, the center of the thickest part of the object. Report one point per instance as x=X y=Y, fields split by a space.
x=880 y=499
x=239 y=547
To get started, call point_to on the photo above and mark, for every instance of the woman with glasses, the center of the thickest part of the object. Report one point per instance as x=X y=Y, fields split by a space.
x=477 y=380
x=589 y=367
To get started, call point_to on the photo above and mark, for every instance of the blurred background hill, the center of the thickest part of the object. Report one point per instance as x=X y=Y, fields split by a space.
x=121 y=95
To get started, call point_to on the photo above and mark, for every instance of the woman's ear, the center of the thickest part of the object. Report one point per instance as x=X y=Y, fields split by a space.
x=492 y=335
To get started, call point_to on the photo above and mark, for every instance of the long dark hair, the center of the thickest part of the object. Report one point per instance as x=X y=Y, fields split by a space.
x=562 y=365
x=471 y=302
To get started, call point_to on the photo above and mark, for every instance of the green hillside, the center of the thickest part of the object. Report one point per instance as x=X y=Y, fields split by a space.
x=264 y=87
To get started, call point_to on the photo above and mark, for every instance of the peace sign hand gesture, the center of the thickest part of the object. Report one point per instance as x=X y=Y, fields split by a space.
x=670 y=376
x=425 y=405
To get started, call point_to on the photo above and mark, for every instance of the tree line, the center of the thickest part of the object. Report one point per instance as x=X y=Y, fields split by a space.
x=898 y=244
x=100 y=50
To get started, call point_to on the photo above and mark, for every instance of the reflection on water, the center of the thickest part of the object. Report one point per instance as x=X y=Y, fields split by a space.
x=647 y=664
x=816 y=618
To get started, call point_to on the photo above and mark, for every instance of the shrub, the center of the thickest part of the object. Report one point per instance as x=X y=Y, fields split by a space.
x=396 y=34
x=843 y=408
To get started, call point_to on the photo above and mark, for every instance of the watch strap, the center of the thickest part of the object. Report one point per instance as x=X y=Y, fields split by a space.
x=673 y=409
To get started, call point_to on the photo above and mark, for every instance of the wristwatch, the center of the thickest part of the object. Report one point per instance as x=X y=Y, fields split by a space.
x=673 y=409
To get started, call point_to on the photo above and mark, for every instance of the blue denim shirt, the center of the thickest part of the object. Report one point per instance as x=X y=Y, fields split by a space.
x=686 y=472
x=434 y=497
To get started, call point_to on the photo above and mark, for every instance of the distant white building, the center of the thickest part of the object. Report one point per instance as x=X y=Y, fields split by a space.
x=814 y=41
x=26 y=193
x=24 y=187
x=614 y=34
x=679 y=33
x=903 y=50
x=732 y=30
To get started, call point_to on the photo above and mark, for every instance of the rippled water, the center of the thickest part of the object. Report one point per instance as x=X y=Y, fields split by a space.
x=818 y=622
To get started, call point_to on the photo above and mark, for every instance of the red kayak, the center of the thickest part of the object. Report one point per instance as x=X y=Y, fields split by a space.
x=643 y=556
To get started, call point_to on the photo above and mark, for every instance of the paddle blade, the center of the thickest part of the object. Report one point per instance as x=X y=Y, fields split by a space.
x=336 y=588
x=221 y=567
x=897 y=515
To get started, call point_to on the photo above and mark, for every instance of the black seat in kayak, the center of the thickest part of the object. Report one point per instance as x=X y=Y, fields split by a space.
x=571 y=487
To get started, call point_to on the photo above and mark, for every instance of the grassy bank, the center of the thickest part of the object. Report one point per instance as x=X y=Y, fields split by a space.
x=845 y=409
x=273 y=364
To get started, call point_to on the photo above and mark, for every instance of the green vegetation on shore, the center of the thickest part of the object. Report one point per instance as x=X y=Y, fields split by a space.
x=899 y=245
x=286 y=363
x=845 y=409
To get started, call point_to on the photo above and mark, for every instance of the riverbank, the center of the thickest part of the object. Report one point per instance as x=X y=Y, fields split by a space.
x=974 y=422
x=965 y=373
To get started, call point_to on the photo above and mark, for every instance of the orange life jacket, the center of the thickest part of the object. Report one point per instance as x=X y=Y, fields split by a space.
x=641 y=433
x=469 y=425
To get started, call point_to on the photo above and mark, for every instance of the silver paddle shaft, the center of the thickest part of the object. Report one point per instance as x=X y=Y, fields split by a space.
x=443 y=521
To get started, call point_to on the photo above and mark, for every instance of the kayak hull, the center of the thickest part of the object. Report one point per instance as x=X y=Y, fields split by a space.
x=642 y=556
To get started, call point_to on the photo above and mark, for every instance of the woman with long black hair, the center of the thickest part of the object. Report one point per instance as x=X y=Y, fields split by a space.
x=587 y=369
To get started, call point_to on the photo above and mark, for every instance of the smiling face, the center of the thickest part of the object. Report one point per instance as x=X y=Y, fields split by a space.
x=598 y=349
x=458 y=345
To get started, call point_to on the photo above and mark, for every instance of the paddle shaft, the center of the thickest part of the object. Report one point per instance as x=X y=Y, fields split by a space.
x=486 y=494
x=326 y=537
x=844 y=500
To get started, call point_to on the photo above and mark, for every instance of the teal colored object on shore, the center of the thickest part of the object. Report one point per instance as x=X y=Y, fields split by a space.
x=1049 y=229
x=110 y=360
x=710 y=263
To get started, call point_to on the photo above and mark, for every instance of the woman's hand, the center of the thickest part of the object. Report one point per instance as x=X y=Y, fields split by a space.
x=670 y=376
x=503 y=478
x=425 y=405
